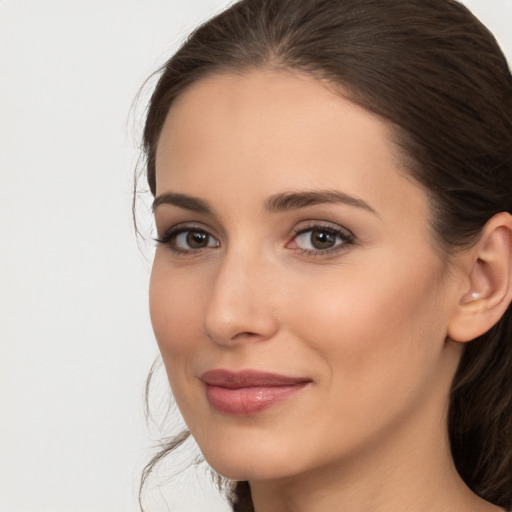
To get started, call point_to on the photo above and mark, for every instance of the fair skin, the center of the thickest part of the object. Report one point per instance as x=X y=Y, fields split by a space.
x=345 y=290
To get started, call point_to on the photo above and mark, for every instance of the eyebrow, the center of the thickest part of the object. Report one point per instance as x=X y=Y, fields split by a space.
x=296 y=200
x=277 y=203
x=182 y=201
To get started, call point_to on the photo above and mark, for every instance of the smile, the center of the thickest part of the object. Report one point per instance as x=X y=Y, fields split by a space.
x=248 y=392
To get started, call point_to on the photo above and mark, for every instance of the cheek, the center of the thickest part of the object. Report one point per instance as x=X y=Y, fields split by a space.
x=373 y=326
x=176 y=313
x=375 y=343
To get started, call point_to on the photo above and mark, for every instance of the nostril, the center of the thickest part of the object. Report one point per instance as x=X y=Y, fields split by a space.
x=246 y=334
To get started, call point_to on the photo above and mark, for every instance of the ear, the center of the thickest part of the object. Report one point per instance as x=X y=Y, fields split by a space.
x=487 y=289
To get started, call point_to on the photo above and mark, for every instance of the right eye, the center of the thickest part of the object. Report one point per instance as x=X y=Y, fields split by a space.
x=187 y=239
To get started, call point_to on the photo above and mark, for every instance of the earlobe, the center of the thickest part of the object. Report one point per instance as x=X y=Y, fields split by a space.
x=488 y=288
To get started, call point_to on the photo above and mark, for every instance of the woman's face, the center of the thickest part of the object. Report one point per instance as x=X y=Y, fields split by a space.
x=298 y=301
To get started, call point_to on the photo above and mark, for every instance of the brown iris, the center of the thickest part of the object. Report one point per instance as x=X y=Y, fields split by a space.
x=197 y=239
x=322 y=239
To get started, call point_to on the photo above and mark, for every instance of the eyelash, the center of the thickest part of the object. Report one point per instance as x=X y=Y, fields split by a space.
x=344 y=236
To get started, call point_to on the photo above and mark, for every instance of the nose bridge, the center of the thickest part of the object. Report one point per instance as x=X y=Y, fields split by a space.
x=239 y=306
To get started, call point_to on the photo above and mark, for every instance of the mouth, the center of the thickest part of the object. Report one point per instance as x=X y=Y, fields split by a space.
x=249 y=392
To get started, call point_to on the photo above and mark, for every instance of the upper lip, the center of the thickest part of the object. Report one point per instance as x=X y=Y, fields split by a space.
x=249 y=378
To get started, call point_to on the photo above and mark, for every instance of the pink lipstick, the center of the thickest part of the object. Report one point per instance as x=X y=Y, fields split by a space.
x=248 y=392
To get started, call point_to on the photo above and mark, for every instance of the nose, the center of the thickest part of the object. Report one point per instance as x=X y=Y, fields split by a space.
x=239 y=308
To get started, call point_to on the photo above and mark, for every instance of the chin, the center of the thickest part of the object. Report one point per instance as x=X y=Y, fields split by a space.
x=239 y=465
x=247 y=470
x=253 y=461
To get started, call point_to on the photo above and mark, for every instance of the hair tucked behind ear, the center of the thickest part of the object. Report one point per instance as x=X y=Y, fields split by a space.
x=438 y=76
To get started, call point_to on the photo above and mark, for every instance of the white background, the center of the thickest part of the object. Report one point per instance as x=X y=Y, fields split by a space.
x=76 y=340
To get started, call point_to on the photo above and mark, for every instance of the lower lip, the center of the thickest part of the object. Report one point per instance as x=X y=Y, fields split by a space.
x=251 y=400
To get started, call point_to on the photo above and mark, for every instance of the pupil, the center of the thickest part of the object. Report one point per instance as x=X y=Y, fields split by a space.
x=322 y=239
x=197 y=240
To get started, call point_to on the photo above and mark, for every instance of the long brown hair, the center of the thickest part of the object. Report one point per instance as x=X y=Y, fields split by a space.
x=438 y=76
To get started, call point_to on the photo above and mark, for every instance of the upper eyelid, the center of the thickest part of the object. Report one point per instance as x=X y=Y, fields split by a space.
x=186 y=226
x=165 y=222
x=182 y=227
x=322 y=224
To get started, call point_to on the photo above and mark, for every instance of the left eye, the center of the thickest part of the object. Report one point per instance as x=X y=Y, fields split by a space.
x=320 y=239
x=187 y=240
x=194 y=239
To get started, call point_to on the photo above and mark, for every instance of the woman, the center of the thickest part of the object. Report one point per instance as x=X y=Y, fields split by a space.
x=332 y=284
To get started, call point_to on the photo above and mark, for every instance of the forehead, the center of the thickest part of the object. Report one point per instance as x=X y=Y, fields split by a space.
x=268 y=107
x=267 y=130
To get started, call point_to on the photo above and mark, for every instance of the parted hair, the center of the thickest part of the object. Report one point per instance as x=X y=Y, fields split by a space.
x=438 y=76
